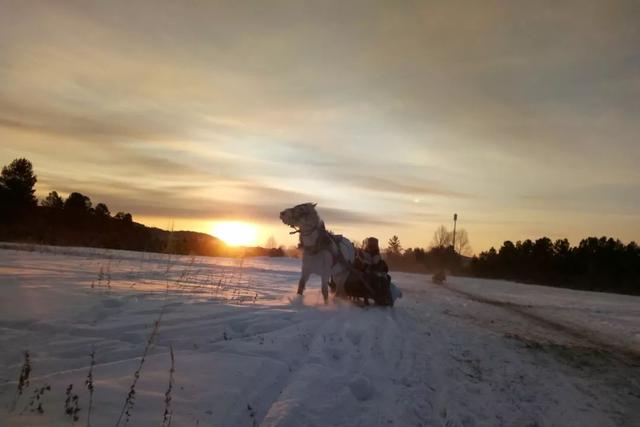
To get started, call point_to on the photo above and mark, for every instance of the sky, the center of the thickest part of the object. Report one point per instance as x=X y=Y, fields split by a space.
x=520 y=116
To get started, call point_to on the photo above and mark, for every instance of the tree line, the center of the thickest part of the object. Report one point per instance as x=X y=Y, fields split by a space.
x=75 y=221
x=440 y=255
x=596 y=264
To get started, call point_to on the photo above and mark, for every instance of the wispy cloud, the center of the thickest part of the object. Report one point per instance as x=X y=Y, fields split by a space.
x=387 y=113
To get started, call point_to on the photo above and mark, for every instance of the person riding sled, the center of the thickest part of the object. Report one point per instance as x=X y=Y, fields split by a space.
x=374 y=270
x=369 y=260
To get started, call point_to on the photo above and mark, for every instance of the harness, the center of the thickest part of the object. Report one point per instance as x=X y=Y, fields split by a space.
x=323 y=241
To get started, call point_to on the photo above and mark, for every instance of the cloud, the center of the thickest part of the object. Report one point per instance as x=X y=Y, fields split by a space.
x=348 y=217
x=235 y=108
x=411 y=186
x=177 y=201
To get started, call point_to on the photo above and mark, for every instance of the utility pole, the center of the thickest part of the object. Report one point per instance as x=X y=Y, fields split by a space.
x=455 y=219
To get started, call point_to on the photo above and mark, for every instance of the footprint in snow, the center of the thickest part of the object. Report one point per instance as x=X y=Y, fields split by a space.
x=112 y=302
x=334 y=353
x=354 y=336
x=361 y=388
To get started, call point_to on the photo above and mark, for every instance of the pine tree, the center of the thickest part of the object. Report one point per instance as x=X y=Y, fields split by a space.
x=53 y=201
x=394 y=247
x=17 y=183
x=101 y=210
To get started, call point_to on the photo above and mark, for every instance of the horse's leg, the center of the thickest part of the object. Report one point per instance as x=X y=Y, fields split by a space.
x=340 y=288
x=326 y=276
x=340 y=280
x=332 y=285
x=307 y=268
x=303 y=281
x=325 y=287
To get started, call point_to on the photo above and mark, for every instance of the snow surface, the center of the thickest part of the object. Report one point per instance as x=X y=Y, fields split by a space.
x=248 y=352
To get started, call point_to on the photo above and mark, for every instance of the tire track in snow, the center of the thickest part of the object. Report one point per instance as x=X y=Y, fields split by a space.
x=477 y=377
x=627 y=355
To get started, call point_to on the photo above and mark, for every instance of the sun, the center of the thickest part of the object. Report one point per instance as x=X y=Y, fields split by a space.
x=235 y=233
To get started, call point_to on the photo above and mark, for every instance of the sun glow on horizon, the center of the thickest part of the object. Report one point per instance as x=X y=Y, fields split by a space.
x=235 y=233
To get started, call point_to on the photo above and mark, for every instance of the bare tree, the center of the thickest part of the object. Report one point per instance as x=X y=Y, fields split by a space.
x=271 y=243
x=441 y=238
x=463 y=247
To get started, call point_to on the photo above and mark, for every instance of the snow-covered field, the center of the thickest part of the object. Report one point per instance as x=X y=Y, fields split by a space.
x=247 y=352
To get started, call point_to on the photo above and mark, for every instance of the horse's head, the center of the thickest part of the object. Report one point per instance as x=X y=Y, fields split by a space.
x=300 y=216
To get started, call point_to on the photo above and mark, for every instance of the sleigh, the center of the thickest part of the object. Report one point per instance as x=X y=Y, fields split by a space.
x=361 y=287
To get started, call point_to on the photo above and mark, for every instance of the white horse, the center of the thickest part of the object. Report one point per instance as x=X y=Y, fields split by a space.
x=324 y=254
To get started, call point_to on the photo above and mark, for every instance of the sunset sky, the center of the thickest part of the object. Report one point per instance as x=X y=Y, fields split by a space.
x=521 y=116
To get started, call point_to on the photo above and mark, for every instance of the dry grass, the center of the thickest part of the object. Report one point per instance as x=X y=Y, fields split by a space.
x=35 y=403
x=129 y=402
x=168 y=412
x=23 y=380
x=89 y=384
x=72 y=404
x=220 y=283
